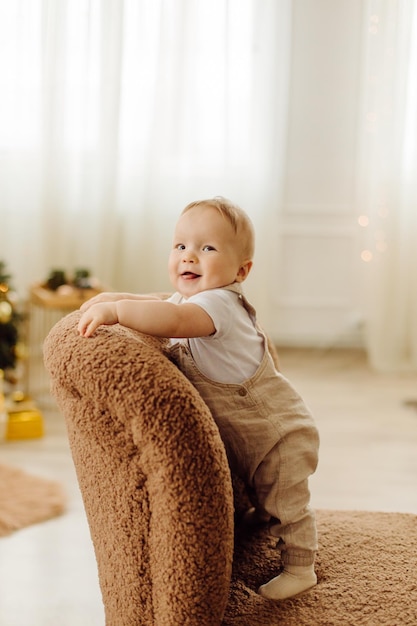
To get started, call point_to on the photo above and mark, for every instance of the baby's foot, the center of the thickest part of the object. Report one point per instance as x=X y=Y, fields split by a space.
x=255 y=517
x=294 y=579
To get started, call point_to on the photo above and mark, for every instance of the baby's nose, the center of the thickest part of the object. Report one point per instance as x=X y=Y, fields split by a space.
x=188 y=257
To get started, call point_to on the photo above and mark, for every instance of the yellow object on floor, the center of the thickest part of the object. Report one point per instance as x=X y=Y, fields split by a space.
x=24 y=421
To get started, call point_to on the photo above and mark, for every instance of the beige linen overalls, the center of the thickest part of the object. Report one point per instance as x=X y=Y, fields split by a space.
x=271 y=442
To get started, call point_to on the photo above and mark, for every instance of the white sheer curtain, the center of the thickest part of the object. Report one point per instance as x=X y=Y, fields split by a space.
x=116 y=113
x=387 y=177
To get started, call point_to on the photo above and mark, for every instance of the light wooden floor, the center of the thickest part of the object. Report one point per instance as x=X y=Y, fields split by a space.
x=368 y=460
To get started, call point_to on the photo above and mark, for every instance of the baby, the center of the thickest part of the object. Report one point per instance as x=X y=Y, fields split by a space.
x=269 y=435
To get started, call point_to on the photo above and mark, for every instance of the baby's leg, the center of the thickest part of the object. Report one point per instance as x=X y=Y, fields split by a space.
x=255 y=517
x=281 y=484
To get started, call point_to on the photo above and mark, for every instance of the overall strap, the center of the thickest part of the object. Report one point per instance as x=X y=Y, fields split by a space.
x=237 y=288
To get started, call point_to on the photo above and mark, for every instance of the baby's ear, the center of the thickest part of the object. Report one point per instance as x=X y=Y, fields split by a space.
x=243 y=271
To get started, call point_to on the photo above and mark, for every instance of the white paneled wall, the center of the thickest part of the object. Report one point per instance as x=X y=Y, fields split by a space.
x=317 y=300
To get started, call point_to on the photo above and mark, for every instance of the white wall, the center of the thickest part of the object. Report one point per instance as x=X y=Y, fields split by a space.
x=318 y=280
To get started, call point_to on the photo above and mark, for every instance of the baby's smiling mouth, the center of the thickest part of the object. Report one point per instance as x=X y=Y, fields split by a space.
x=189 y=275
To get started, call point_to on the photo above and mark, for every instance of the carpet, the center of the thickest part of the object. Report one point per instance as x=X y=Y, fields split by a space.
x=366 y=569
x=26 y=499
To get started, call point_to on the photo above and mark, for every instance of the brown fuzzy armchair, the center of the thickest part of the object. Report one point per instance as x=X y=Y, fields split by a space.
x=160 y=504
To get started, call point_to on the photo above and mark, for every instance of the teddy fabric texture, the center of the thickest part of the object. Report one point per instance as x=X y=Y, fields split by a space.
x=160 y=499
x=153 y=475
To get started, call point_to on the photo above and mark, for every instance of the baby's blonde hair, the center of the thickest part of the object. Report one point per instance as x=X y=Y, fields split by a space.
x=236 y=216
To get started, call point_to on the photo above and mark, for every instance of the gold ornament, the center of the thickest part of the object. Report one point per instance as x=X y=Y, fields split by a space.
x=6 y=311
x=21 y=351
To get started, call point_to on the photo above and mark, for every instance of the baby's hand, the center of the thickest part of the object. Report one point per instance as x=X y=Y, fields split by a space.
x=95 y=316
x=105 y=296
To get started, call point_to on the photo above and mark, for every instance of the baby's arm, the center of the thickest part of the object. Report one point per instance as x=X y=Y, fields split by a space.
x=110 y=296
x=153 y=317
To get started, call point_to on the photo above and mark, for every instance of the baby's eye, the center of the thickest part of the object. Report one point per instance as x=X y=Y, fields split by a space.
x=180 y=246
x=208 y=248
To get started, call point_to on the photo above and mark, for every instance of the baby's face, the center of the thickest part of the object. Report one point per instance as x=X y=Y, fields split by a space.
x=205 y=252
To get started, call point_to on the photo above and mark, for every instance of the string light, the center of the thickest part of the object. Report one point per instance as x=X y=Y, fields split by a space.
x=376 y=237
x=366 y=256
x=363 y=220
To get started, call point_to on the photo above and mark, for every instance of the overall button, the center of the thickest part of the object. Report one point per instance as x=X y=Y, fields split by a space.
x=242 y=391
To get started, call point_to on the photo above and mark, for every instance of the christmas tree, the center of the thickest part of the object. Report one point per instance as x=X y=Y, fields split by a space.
x=9 y=318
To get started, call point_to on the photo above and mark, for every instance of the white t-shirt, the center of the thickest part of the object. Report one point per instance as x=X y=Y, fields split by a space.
x=233 y=353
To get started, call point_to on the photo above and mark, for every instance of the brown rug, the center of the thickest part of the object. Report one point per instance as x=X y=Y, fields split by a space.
x=366 y=568
x=26 y=499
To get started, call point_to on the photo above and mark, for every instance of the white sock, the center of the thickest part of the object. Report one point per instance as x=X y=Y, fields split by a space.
x=294 y=579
